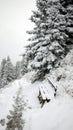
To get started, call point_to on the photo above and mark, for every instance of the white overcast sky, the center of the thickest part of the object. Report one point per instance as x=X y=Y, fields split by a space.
x=14 y=22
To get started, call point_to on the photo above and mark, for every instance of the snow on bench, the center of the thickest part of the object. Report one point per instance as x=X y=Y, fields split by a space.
x=43 y=95
x=47 y=91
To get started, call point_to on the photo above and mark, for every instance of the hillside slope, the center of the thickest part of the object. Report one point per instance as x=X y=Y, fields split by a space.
x=55 y=115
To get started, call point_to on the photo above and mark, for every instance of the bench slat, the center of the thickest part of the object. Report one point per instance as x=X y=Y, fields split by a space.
x=44 y=92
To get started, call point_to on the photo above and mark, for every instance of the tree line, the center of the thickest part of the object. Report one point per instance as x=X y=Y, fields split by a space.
x=50 y=41
x=8 y=72
x=52 y=36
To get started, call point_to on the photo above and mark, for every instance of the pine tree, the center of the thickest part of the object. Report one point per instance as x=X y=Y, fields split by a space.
x=48 y=37
x=9 y=70
x=18 y=69
x=2 y=67
x=15 y=120
x=2 y=72
x=24 y=64
x=67 y=10
x=4 y=81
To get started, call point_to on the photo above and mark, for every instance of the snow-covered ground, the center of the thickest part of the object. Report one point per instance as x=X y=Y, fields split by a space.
x=55 y=115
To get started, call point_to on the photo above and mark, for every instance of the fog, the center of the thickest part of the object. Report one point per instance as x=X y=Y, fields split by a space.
x=14 y=22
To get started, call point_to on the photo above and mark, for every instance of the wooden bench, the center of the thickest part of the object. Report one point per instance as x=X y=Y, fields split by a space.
x=47 y=92
x=43 y=95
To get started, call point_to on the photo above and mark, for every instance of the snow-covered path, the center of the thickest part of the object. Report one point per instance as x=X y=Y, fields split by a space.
x=8 y=94
x=55 y=115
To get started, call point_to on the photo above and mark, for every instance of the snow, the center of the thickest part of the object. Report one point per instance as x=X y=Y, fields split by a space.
x=46 y=90
x=57 y=115
x=54 y=115
x=70 y=29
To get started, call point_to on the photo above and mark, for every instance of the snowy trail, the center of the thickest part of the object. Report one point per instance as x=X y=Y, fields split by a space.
x=55 y=115
x=29 y=93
